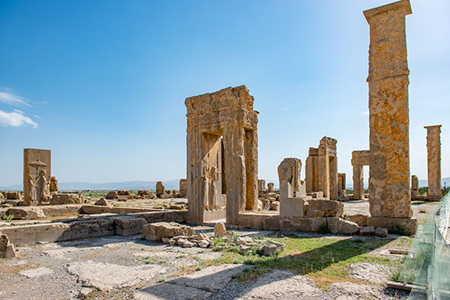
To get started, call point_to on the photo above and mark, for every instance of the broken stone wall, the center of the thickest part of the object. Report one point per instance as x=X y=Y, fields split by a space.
x=36 y=188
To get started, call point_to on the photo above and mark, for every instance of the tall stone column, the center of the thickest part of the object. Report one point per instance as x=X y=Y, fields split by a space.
x=389 y=191
x=434 y=162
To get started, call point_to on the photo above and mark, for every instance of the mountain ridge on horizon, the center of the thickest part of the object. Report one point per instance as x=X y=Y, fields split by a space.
x=172 y=184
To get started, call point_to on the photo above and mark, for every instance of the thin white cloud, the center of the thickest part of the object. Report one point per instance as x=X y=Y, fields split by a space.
x=11 y=99
x=38 y=117
x=15 y=118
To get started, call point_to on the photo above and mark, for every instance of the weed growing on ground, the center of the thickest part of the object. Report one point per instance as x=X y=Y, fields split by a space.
x=399 y=229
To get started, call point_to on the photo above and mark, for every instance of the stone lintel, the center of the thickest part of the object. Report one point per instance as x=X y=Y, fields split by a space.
x=432 y=126
x=410 y=224
x=396 y=5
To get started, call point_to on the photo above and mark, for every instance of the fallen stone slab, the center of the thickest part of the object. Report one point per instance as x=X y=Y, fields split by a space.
x=66 y=199
x=211 y=278
x=103 y=276
x=37 y=272
x=57 y=210
x=127 y=225
x=282 y=285
x=167 y=291
x=25 y=213
x=157 y=231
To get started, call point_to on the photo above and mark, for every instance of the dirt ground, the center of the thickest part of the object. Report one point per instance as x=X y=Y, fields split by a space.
x=117 y=267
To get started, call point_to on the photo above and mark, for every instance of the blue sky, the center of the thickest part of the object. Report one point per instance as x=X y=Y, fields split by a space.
x=103 y=83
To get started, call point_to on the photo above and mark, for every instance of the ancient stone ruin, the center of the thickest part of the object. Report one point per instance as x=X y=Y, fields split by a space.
x=36 y=175
x=222 y=154
x=359 y=159
x=434 y=162
x=389 y=189
x=321 y=169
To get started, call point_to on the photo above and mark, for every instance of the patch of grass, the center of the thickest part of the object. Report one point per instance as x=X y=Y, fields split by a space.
x=150 y=260
x=422 y=212
x=8 y=218
x=162 y=279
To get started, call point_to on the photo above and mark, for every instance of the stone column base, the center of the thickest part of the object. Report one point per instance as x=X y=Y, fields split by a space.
x=409 y=224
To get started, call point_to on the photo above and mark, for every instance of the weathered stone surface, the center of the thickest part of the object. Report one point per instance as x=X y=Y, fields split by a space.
x=221 y=125
x=289 y=171
x=58 y=210
x=6 y=249
x=292 y=207
x=2 y=196
x=317 y=208
x=12 y=195
x=409 y=224
x=269 y=249
x=160 y=190
x=101 y=202
x=36 y=175
x=414 y=187
x=66 y=199
x=25 y=213
x=275 y=205
x=338 y=225
x=367 y=230
x=127 y=225
x=243 y=240
x=111 y=195
x=149 y=194
x=302 y=224
x=220 y=230
x=359 y=219
x=183 y=188
x=270 y=186
x=157 y=231
x=123 y=193
x=381 y=232
x=321 y=169
x=203 y=244
x=359 y=159
x=434 y=162
x=261 y=187
x=341 y=185
x=53 y=184
x=389 y=190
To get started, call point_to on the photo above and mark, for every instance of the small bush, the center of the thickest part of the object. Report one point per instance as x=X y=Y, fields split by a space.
x=8 y=218
x=324 y=229
x=399 y=229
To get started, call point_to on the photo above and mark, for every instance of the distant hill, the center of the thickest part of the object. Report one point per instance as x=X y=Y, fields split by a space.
x=126 y=185
x=151 y=185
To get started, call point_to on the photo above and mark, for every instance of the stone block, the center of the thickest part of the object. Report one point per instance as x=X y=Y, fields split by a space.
x=220 y=230
x=291 y=207
x=111 y=195
x=101 y=202
x=338 y=225
x=6 y=249
x=381 y=232
x=32 y=234
x=58 y=210
x=317 y=208
x=367 y=230
x=302 y=224
x=12 y=195
x=123 y=193
x=89 y=229
x=58 y=199
x=275 y=205
x=148 y=194
x=25 y=213
x=269 y=250
x=409 y=224
x=127 y=225
x=359 y=219
x=157 y=231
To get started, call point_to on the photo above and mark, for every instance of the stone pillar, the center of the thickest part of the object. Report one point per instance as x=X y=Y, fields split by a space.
x=434 y=162
x=312 y=170
x=261 y=187
x=34 y=162
x=160 y=189
x=342 y=184
x=414 y=187
x=270 y=188
x=328 y=168
x=389 y=190
x=183 y=188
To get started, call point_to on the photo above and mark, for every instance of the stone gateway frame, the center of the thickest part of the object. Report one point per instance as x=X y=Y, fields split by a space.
x=222 y=155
